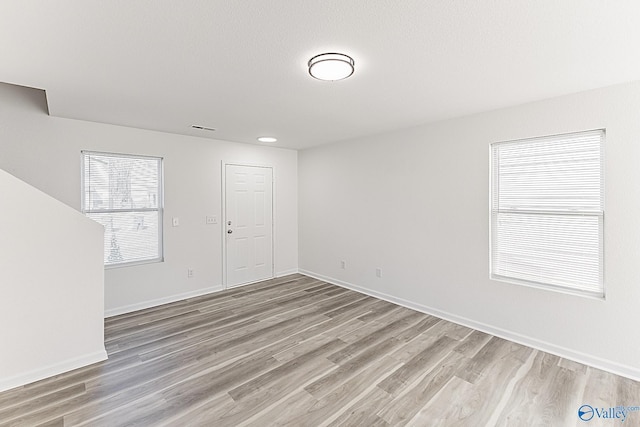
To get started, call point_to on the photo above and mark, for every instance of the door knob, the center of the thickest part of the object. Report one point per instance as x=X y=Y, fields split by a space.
x=229 y=231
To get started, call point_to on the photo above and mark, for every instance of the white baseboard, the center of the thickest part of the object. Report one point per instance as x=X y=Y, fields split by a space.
x=286 y=272
x=178 y=297
x=567 y=353
x=165 y=300
x=52 y=370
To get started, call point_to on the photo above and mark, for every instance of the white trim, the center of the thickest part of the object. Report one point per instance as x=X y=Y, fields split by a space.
x=286 y=272
x=598 y=296
x=86 y=154
x=128 y=155
x=273 y=222
x=223 y=215
x=239 y=285
x=133 y=263
x=572 y=283
x=179 y=297
x=223 y=223
x=52 y=370
x=156 y=302
x=567 y=353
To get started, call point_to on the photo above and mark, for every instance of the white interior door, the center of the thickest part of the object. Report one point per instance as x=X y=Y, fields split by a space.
x=248 y=224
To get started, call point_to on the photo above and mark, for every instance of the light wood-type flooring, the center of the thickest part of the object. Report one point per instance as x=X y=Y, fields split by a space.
x=297 y=351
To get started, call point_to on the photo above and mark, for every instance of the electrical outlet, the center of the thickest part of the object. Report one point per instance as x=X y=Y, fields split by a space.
x=343 y=264
x=190 y=272
x=378 y=272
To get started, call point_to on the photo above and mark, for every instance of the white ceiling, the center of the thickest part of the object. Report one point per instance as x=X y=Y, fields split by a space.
x=240 y=65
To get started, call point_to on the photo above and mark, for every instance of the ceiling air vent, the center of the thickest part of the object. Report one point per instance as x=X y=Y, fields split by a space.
x=203 y=128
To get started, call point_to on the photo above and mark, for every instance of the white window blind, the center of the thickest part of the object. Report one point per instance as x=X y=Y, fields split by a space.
x=547 y=211
x=124 y=194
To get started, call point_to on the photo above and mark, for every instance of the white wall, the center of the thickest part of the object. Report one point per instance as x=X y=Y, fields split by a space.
x=45 y=152
x=415 y=203
x=51 y=286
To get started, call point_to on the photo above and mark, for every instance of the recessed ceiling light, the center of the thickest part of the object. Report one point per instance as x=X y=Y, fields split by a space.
x=202 y=127
x=331 y=66
x=267 y=139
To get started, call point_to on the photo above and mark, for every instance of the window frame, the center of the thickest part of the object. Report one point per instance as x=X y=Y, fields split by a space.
x=160 y=202
x=600 y=215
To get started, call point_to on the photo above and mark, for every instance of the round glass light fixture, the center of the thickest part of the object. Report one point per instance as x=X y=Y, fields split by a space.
x=331 y=66
x=267 y=139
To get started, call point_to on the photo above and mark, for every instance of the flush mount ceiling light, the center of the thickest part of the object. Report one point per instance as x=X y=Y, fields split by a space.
x=267 y=139
x=331 y=66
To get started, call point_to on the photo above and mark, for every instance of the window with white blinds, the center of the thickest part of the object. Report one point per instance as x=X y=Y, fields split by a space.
x=124 y=194
x=547 y=211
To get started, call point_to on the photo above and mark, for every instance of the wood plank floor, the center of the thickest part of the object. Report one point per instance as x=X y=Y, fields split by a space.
x=297 y=351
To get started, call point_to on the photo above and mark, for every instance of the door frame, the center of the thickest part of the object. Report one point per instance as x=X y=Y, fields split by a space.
x=223 y=228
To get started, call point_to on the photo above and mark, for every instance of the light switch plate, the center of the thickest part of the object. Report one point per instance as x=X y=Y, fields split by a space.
x=175 y=221
x=212 y=220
